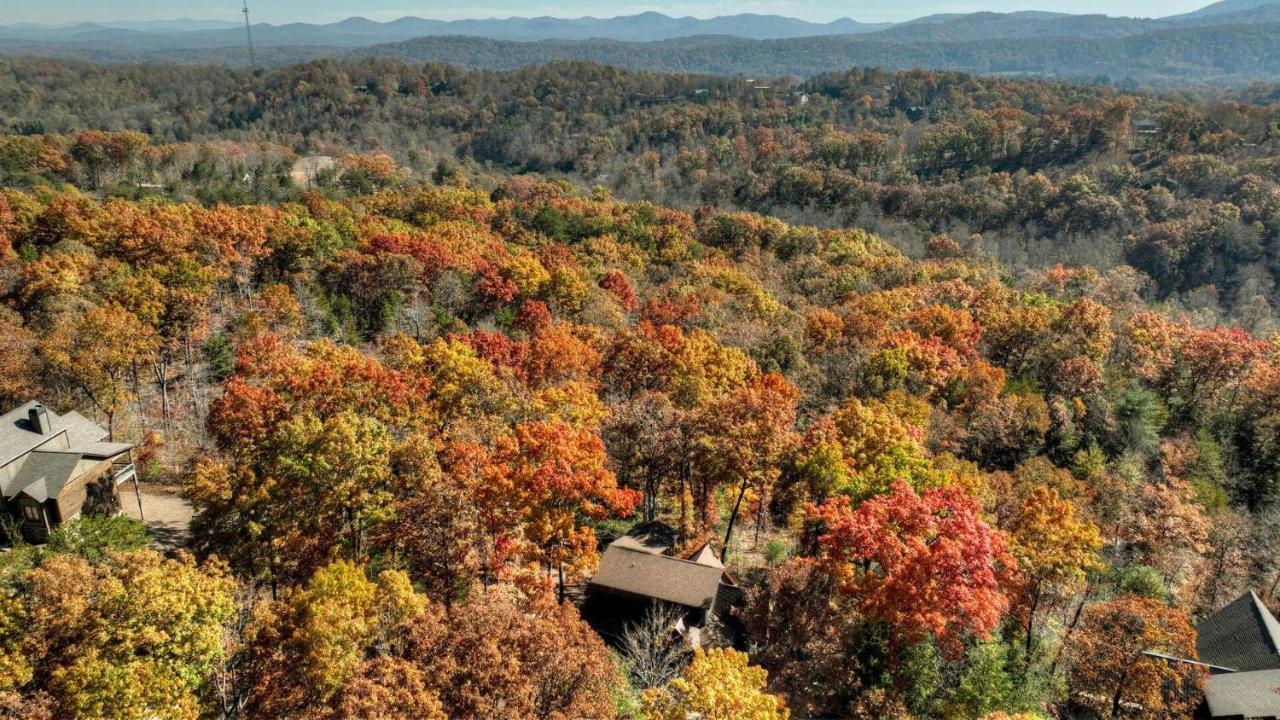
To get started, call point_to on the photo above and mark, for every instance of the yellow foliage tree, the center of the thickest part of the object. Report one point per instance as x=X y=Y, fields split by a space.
x=1054 y=548
x=717 y=685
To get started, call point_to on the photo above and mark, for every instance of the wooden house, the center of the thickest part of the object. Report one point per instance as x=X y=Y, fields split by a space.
x=641 y=568
x=55 y=467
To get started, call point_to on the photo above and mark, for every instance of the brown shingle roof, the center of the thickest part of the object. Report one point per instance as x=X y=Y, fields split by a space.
x=662 y=577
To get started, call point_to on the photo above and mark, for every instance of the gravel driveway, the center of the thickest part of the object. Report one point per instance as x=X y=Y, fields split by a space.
x=167 y=515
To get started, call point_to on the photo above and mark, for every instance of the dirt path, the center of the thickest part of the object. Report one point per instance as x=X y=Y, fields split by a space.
x=167 y=515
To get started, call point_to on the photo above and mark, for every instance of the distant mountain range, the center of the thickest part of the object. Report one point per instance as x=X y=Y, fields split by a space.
x=1231 y=42
x=357 y=31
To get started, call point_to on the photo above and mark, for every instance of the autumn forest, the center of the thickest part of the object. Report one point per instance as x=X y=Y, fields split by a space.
x=972 y=385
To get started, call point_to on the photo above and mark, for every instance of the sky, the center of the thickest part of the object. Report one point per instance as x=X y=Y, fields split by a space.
x=282 y=11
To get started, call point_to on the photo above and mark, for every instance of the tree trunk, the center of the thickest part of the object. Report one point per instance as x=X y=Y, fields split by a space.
x=733 y=517
x=759 y=523
x=685 y=495
x=1031 y=622
x=162 y=379
x=651 y=497
x=1115 y=699
x=1071 y=627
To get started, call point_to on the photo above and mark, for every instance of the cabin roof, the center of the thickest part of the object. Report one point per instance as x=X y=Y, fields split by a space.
x=652 y=537
x=18 y=436
x=661 y=577
x=706 y=556
x=1244 y=694
x=43 y=474
x=1243 y=636
x=101 y=450
x=640 y=563
x=40 y=468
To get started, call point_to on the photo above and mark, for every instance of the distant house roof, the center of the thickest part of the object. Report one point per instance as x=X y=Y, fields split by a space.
x=1243 y=636
x=639 y=563
x=43 y=462
x=1253 y=694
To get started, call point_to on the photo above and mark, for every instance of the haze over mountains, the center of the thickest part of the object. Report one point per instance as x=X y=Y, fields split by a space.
x=358 y=31
x=1232 y=41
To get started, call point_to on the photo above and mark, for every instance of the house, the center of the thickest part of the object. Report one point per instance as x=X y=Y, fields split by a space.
x=1241 y=645
x=54 y=467
x=641 y=568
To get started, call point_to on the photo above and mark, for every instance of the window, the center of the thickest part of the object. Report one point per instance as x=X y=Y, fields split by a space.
x=31 y=512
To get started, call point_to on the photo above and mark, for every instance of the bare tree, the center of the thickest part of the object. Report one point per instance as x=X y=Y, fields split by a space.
x=653 y=648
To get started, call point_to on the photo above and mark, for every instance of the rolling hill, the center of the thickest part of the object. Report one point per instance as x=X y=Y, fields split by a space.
x=1230 y=42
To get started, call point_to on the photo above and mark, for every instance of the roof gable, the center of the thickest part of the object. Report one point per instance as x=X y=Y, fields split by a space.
x=706 y=556
x=44 y=474
x=1242 y=636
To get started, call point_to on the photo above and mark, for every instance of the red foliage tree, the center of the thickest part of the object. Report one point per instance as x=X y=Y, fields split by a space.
x=922 y=564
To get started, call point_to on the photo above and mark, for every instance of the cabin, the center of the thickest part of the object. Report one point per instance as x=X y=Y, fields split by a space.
x=1240 y=644
x=55 y=467
x=641 y=569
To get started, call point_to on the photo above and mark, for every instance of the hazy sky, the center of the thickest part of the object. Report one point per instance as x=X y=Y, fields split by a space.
x=279 y=11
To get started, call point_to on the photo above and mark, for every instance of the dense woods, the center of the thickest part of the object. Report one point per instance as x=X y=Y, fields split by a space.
x=411 y=394
x=1182 y=189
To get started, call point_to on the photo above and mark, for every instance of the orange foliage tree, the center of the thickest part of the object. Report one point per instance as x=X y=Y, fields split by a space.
x=925 y=565
x=1111 y=672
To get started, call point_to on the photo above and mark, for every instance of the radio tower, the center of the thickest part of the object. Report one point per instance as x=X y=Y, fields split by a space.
x=248 y=32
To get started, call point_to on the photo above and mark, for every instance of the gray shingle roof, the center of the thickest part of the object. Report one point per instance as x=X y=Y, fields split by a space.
x=18 y=437
x=1243 y=636
x=100 y=450
x=43 y=463
x=43 y=474
x=1244 y=694
x=80 y=429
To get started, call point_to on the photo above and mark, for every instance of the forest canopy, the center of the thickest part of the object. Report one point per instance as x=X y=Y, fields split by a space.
x=412 y=392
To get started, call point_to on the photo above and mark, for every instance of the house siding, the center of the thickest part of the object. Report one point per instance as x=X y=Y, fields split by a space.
x=72 y=497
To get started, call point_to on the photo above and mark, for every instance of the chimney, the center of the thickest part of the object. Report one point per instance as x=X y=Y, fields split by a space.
x=39 y=418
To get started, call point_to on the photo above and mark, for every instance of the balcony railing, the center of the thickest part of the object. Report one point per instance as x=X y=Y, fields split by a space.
x=123 y=471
